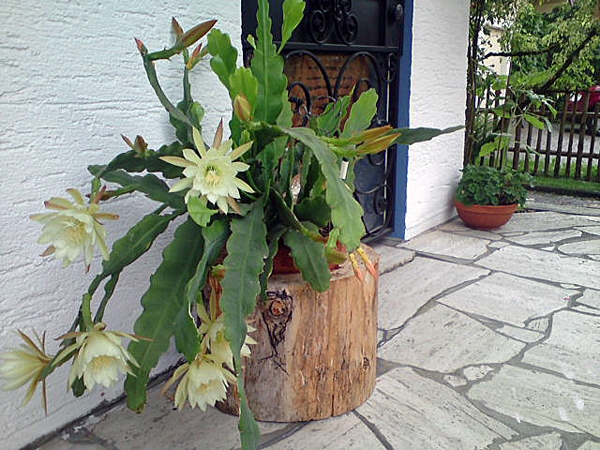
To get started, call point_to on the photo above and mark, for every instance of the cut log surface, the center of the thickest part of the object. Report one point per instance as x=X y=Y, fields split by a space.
x=316 y=351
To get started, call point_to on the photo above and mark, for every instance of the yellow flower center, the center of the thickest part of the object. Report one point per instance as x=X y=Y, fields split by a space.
x=212 y=175
x=101 y=363
x=75 y=231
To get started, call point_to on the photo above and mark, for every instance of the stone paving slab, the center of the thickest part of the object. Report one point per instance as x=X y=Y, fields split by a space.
x=441 y=243
x=541 y=399
x=444 y=340
x=544 y=265
x=459 y=228
x=401 y=296
x=520 y=334
x=573 y=348
x=545 y=221
x=544 y=237
x=594 y=229
x=391 y=258
x=158 y=427
x=551 y=441
x=590 y=298
x=589 y=247
x=520 y=301
x=337 y=433
x=416 y=413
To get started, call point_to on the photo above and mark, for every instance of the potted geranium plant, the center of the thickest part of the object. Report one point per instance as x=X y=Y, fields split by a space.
x=237 y=200
x=487 y=197
x=490 y=190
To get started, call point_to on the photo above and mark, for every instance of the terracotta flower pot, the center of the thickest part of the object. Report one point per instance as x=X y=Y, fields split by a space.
x=284 y=263
x=485 y=217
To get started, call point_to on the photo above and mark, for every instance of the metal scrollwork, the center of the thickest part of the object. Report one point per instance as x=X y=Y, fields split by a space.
x=333 y=54
x=328 y=16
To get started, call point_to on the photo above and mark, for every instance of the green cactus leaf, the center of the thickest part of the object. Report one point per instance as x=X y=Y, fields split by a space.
x=309 y=257
x=267 y=67
x=162 y=304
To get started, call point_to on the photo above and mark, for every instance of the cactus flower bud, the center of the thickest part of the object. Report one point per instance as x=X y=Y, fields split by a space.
x=191 y=36
x=176 y=28
x=195 y=57
x=242 y=108
x=141 y=47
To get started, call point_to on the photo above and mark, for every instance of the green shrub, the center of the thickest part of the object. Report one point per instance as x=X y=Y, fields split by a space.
x=484 y=185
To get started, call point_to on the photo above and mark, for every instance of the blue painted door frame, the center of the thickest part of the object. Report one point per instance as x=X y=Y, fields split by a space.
x=403 y=121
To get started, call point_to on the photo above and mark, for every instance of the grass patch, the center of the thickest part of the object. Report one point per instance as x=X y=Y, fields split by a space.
x=568 y=185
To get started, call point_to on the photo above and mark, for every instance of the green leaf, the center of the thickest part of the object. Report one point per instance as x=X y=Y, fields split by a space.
x=331 y=119
x=215 y=237
x=162 y=303
x=267 y=67
x=199 y=210
x=534 y=120
x=249 y=431
x=109 y=289
x=181 y=127
x=286 y=116
x=246 y=250
x=187 y=338
x=135 y=243
x=309 y=257
x=224 y=55
x=269 y=157
x=346 y=212
x=149 y=184
x=242 y=81
x=410 y=136
x=361 y=114
x=155 y=164
x=130 y=161
x=196 y=114
x=274 y=236
x=314 y=209
x=293 y=12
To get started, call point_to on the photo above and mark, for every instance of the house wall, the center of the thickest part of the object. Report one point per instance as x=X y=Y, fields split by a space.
x=437 y=99
x=71 y=81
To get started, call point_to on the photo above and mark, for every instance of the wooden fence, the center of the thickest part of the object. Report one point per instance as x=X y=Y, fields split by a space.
x=570 y=149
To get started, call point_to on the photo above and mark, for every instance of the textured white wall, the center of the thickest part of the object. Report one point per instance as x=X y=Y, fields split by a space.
x=437 y=99
x=71 y=81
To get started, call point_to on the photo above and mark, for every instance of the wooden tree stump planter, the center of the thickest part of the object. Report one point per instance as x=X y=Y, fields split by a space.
x=316 y=352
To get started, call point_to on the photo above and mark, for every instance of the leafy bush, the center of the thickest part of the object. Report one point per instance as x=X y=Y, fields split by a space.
x=484 y=185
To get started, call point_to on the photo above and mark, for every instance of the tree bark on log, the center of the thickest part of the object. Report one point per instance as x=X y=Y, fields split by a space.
x=316 y=352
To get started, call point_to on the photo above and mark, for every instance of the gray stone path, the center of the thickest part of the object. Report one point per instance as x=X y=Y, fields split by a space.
x=488 y=340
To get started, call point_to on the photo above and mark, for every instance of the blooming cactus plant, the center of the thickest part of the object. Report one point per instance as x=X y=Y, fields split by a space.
x=267 y=184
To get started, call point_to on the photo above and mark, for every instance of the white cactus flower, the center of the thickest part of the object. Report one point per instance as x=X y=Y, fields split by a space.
x=74 y=228
x=100 y=356
x=25 y=365
x=203 y=383
x=213 y=173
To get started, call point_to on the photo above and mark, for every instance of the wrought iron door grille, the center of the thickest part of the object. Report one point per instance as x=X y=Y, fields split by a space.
x=344 y=47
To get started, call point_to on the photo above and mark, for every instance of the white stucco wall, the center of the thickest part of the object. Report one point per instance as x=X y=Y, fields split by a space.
x=437 y=99
x=71 y=81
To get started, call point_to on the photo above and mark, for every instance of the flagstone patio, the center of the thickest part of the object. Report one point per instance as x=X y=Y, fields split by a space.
x=488 y=340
